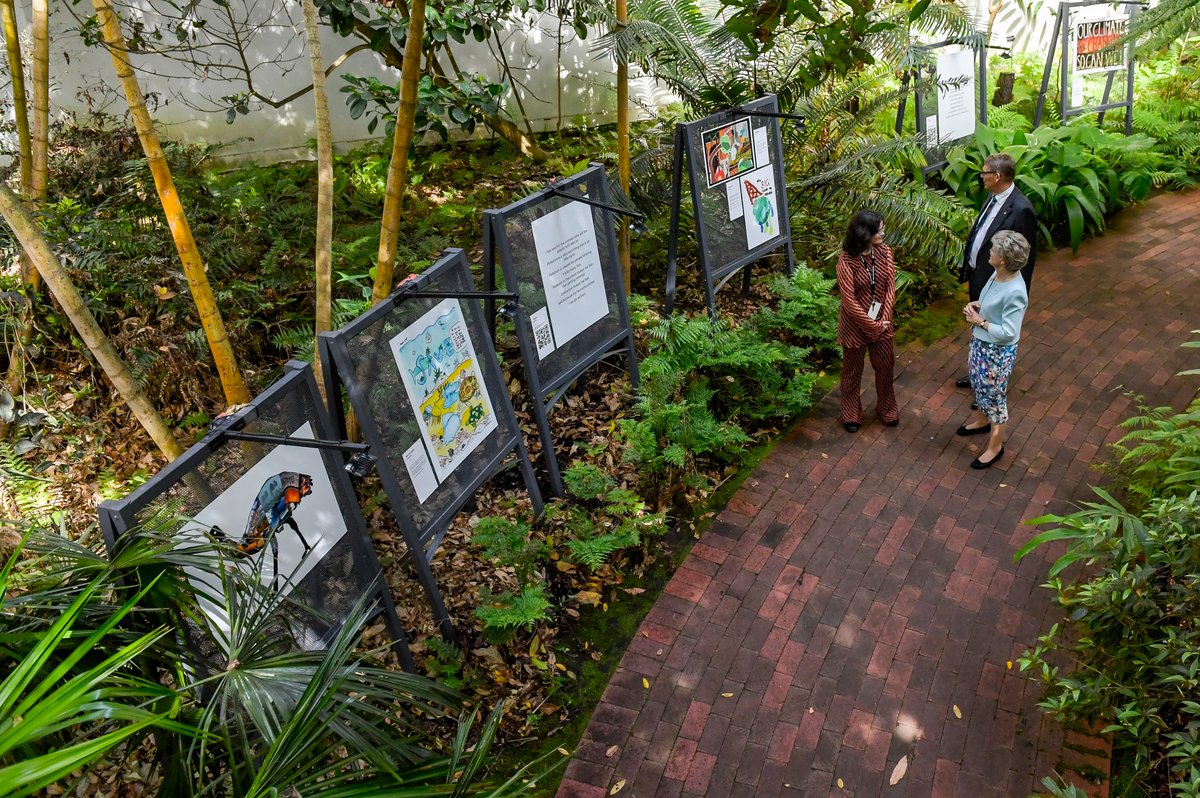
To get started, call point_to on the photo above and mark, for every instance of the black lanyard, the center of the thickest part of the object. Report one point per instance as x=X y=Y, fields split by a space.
x=868 y=260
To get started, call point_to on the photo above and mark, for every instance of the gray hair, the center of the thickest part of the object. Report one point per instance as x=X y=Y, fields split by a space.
x=1002 y=164
x=1013 y=249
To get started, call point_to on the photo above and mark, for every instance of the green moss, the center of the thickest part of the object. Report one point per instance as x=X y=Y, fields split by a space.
x=933 y=322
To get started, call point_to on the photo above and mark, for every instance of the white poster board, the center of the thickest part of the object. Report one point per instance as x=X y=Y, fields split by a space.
x=572 y=276
x=956 y=96
x=445 y=388
x=761 y=211
x=284 y=507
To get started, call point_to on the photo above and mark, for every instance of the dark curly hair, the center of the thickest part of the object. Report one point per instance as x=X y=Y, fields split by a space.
x=863 y=226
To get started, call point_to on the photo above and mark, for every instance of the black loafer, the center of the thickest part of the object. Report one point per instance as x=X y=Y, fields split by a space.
x=965 y=430
x=895 y=422
x=851 y=426
x=979 y=465
x=974 y=405
x=962 y=382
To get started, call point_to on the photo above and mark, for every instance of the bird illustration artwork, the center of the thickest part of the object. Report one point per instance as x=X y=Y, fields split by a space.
x=273 y=508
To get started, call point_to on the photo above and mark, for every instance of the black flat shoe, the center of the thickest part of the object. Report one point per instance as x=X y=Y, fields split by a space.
x=962 y=382
x=851 y=426
x=979 y=465
x=974 y=405
x=895 y=422
x=965 y=430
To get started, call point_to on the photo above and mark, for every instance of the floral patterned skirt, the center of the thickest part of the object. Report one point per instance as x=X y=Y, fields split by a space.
x=989 y=367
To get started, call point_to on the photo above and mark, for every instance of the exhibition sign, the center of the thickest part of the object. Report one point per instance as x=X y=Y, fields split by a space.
x=1094 y=66
x=423 y=381
x=279 y=512
x=738 y=194
x=557 y=251
x=949 y=105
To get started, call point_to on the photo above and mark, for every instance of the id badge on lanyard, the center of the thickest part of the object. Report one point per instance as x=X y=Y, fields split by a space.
x=876 y=306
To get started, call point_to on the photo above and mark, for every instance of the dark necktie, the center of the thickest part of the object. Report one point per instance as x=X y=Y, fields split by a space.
x=987 y=208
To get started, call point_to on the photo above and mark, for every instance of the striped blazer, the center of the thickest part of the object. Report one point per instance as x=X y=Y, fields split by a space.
x=855 y=328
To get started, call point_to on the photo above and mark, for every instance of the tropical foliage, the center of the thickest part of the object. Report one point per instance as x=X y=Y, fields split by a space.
x=100 y=662
x=1130 y=627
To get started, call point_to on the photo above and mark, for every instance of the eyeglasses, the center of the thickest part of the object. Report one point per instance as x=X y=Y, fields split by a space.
x=986 y=172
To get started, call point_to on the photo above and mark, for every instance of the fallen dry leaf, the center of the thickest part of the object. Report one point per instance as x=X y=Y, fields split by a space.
x=899 y=771
x=645 y=683
x=957 y=712
x=616 y=788
x=841 y=784
x=612 y=749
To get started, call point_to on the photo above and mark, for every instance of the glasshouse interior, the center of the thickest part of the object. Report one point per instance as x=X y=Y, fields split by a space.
x=472 y=398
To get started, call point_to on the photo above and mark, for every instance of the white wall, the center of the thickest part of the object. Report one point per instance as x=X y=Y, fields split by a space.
x=82 y=78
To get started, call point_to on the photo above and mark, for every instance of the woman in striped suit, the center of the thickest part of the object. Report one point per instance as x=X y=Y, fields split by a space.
x=867 y=283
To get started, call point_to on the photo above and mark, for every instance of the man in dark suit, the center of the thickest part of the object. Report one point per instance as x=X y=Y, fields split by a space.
x=1006 y=209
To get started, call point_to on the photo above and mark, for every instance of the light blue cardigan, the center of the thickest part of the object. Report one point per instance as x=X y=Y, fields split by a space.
x=1003 y=306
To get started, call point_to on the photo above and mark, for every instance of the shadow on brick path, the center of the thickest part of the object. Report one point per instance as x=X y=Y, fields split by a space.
x=858 y=588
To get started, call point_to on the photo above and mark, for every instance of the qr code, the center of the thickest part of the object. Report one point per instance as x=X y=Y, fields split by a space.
x=458 y=338
x=541 y=336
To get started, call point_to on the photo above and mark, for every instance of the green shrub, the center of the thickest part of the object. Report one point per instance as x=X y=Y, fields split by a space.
x=701 y=382
x=806 y=314
x=1131 y=628
x=587 y=482
x=510 y=543
x=503 y=614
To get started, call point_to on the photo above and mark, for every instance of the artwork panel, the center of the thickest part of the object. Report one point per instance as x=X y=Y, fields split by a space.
x=284 y=506
x=956 y=103
x=728 y=151
x=761 y=210
x=441 y=376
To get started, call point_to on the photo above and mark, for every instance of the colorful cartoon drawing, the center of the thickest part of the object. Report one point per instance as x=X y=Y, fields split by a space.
x=761 y=207
x=728 y=151
x=444 y=385
x=454 y=412
x=273 y=508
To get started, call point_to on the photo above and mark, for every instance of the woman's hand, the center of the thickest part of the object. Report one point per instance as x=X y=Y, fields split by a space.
x=971 y=313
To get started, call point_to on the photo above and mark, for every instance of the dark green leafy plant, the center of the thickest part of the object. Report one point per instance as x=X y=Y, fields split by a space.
x=1131 y=612
x=510 y=543
x=270 y=720
x=702 y=382
x=805 y=315
x=505 y=613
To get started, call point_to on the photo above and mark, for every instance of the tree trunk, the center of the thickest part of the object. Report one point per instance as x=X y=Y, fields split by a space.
x=14 y=380
x=397 y=176
x=16 y=71
x=324 y=244
x=206 y=305
x=75 y=306
x=41 y=101
x=623 y=147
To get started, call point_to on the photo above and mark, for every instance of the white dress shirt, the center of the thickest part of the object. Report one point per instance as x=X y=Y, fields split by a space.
x=993 y=209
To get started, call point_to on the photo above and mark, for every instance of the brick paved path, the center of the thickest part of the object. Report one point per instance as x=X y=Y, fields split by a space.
x=858 y=588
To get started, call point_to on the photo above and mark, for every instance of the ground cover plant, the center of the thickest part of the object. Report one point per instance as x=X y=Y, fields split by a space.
x=1129 y=586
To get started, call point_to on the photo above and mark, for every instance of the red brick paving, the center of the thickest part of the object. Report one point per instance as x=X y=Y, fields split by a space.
x=859 y=588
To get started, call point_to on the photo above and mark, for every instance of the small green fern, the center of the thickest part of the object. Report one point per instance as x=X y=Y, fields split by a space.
x=507 y=612
x=593 y=552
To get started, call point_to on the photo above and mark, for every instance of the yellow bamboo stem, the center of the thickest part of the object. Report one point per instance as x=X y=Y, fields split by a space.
x=389 y=234
x=324 y=245
x=75 y=306
x=623 y=242
x=193 y=267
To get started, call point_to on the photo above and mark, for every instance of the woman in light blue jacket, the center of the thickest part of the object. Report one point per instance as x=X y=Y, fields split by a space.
x=996 y=327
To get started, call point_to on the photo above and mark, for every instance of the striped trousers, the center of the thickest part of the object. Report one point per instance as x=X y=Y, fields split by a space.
x=882 y=354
